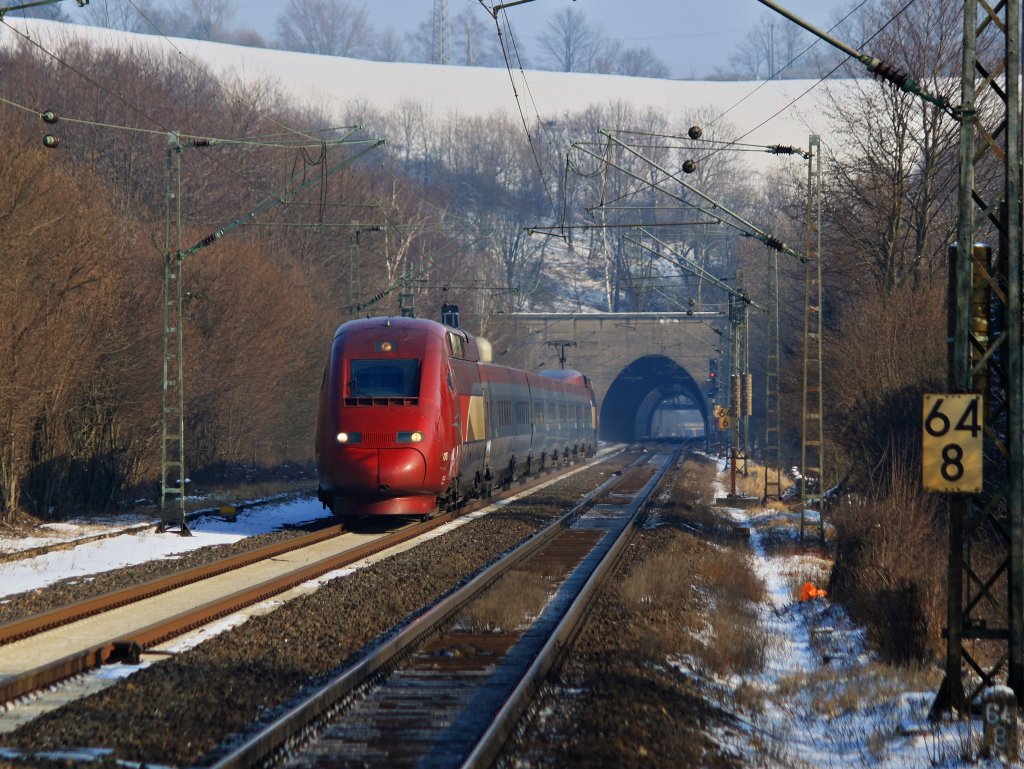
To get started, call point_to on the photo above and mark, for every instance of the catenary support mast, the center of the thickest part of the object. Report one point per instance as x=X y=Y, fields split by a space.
x=173 y=479
x=985 y=634
x=812 y=441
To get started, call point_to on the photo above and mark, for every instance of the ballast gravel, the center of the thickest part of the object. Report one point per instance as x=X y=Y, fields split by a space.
x=183 y=710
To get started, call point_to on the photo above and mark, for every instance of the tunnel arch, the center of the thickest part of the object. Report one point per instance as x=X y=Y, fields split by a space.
x=639 y=390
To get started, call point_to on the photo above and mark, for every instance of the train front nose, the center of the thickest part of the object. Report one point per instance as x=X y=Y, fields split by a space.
x=380 y=471
x=401 y=469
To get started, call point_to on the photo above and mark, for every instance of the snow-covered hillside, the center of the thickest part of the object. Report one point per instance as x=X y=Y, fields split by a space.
x=780 y=112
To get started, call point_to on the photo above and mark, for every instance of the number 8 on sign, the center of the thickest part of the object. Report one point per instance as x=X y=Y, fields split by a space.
x=951 y=443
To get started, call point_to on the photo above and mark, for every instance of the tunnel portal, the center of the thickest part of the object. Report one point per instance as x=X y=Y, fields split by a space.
x=653 y=397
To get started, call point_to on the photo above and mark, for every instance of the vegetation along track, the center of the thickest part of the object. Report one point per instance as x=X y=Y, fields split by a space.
x=249 y=673
x=63 y=641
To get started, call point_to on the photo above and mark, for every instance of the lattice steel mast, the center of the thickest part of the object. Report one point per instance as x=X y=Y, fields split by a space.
x=812 y=434
x=442 y=33
x=986 y=598
x=172 y=444
x=772 y=400
x=173 y=478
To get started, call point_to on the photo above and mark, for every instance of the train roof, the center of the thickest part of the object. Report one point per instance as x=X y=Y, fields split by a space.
x=473 y=348
x=568 y=375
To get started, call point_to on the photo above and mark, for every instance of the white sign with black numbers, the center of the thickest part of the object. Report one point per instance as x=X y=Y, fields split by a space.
x=951 y=444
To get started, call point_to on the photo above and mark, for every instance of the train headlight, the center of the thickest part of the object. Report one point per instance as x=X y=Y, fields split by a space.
x=414 y=437
x=349 y=438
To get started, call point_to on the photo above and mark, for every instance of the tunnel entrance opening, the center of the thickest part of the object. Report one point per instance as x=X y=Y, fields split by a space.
x=653 y=397
x=676 y=418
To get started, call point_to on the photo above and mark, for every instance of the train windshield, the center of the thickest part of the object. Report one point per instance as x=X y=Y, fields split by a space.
x=393 y=378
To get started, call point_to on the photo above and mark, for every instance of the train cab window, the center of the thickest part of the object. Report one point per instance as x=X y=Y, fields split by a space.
x=455 y=342
x=395 y=378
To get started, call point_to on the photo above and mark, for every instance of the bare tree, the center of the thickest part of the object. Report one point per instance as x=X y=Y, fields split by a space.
x=196 y=19
x=570 y=43
x=389 y=47
x=474 y=41
x=329 y=27
x=635 y=61
x=893 y=172
x=123 y=16
x=768 y=47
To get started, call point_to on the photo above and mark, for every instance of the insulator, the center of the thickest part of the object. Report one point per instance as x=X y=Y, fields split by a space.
x=50 y=117
x=689 y=166
x=50 y=141
x=774 y=243
x=889 y=72
x=784 y=149
x=202 y=143
x=695 y=132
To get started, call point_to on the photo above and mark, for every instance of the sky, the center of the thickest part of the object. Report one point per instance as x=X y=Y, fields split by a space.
x=691 y=37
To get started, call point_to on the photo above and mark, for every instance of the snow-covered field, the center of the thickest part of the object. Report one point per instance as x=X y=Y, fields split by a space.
x=135 y=545
x=777 y=112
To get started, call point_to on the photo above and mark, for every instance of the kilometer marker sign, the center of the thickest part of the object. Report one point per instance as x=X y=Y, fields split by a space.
x=951 y=443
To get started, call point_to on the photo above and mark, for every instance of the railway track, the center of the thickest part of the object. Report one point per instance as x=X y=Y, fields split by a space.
x=41 y=650
x=443 y=692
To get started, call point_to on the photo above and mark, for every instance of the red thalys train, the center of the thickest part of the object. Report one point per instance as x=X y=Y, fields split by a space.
x=414 y=417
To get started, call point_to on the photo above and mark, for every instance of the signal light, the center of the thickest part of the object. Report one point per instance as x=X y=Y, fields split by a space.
x=49 y=117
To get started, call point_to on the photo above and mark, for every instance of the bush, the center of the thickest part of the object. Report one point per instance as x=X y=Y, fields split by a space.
x=887 y=548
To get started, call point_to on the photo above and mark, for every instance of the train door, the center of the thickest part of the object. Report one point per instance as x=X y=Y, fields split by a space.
x=451 y=416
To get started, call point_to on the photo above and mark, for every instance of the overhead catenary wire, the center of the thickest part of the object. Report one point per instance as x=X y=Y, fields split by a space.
x=719 y=210
x=774 y=75
x=208 y=140
x=198 y=141
x=820 y=80
x=216 y=81
x=508 y=66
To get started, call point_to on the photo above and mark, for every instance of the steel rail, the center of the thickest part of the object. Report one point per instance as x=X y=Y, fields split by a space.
x=129 y=647
x=504 y=722
x=62 y=615
x=318 y=707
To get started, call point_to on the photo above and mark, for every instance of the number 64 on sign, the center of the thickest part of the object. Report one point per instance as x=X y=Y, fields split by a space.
x=951 y=443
